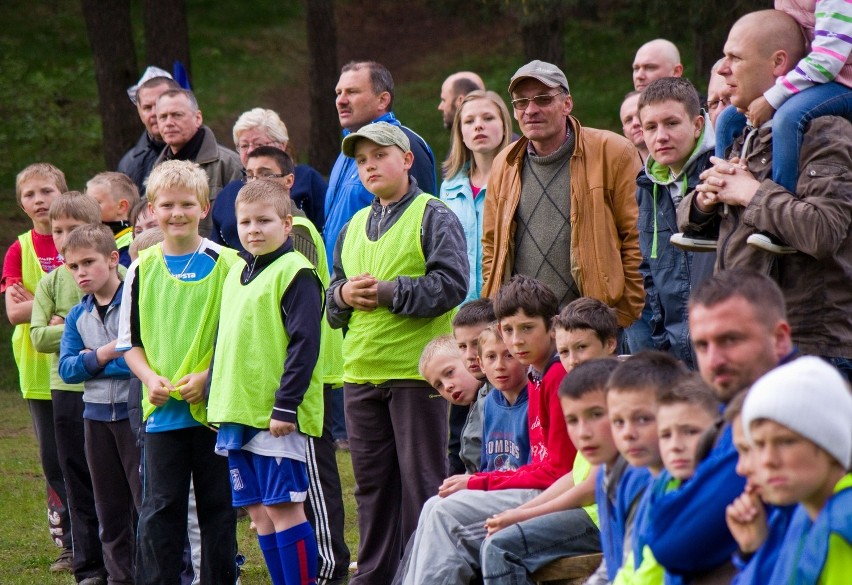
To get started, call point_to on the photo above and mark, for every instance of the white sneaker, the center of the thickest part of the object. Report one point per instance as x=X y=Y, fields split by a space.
x=692 y=243
x=769 y=243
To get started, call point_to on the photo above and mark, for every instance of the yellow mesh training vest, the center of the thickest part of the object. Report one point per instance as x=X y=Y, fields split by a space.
x=178 y=320
x=124 y=238
x=252 y=349
x=380 y=345
x=33 y=366
x=332 y=339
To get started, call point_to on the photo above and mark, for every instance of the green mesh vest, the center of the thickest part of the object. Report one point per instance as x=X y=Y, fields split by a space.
x=33 y=366
x=332 y=339
x=178 y=320
x=380 y=345
x=124 y=238
x=252 y=350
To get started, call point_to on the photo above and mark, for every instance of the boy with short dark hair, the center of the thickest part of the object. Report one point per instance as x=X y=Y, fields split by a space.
x=267 y=403
x=466 y=422
x=169 y=314
x=399 y=270
x=442 y=550
x=633 y=393
x=796 y=418
x=117 y=195
x=680 y=141
x=27 y=260
x=584 y=330
x=88 y=355
x=56 y=295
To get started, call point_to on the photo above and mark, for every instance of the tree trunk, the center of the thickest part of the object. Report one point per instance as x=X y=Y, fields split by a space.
x=111 y=40
x=324 y=143
x=166 y=34
x=543 y=38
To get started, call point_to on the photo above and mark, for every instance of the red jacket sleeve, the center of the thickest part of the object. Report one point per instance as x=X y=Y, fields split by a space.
x=12 y=266
x=559 y=451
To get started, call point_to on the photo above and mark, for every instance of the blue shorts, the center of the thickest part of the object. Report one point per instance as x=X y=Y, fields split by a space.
x=260 y=479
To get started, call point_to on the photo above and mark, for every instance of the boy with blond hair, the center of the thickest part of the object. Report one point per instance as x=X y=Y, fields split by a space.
x=88 y=355
x=56 y=295
x=169 y=314
x=27 y=260
x=266 y=403
x=117 y=195
x=396 y=279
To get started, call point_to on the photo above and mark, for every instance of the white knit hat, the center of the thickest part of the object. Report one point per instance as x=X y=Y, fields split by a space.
x=809 y=397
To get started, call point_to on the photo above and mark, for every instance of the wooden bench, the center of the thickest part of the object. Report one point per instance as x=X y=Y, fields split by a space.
x=568 y=570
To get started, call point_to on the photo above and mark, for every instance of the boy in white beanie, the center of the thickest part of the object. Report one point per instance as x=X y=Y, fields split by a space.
x=798 y=417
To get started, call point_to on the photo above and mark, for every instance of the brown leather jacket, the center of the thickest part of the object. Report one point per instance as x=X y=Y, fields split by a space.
x=605 y=252
x=816 y=220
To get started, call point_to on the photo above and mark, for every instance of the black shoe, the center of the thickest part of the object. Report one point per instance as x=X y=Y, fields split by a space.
x=692 y=243
x=769 y=243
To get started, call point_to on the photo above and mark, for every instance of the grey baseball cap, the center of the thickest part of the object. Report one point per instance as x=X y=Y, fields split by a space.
x=379 y=132
x=547 y=73
x=150 y=73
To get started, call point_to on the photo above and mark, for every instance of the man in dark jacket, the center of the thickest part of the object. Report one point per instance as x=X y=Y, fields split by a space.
x=814 y=220
x=139 y=160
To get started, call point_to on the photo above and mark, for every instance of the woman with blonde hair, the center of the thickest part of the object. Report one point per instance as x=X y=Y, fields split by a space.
x=482 y=128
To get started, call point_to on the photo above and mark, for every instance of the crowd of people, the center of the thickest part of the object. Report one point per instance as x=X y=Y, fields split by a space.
x=197 y=331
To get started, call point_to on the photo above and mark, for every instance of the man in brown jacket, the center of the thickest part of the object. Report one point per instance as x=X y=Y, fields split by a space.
x=815 y=220
x=561 y=203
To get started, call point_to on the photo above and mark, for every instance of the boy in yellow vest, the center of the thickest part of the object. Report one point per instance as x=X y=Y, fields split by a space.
x=267 y=402
x=27 y=260
x=116 y=194
x=169 y=316
x=400 y=268
x=56 y=295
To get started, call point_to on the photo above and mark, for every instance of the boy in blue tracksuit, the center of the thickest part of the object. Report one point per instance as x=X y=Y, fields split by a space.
x=269 y=401
x=797 y=419
x=87 y=354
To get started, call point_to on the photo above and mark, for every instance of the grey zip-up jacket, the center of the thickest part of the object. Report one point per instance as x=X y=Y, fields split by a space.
x=104 y=387
x=442 y=239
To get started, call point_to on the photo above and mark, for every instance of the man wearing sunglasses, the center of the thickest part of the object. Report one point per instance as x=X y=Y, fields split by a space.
x=561 y=203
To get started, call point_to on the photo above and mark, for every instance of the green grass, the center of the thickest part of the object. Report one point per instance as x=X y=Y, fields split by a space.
x=26 y=550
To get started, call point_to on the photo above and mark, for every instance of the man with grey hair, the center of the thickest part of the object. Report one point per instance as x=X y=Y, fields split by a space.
x=654 y=60
x=139 y=160
x=181 y=125
x=561 y=203
x=453 y=91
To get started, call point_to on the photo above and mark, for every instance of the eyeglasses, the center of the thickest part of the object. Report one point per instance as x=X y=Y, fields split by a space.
x=254 y=145
x=721 y=102
x=542 y=101
x=249 y=178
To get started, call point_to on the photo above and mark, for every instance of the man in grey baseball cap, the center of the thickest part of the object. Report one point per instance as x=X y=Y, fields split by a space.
x=560 y=208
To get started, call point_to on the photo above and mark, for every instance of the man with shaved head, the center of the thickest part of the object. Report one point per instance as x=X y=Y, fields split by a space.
x=453 y=91
x=654 y=60
x=738 y=199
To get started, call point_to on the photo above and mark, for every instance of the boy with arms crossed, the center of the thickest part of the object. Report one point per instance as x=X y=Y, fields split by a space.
x=88 y=355
x=27 y=260
x=266 y=402
x=169 y=314
x=56 y=295
x=400 y=267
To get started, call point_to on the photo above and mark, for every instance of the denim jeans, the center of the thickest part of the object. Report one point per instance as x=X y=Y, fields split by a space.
x=791 y=120
x=843 y=365
x=729 y=124
x=514 y=553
